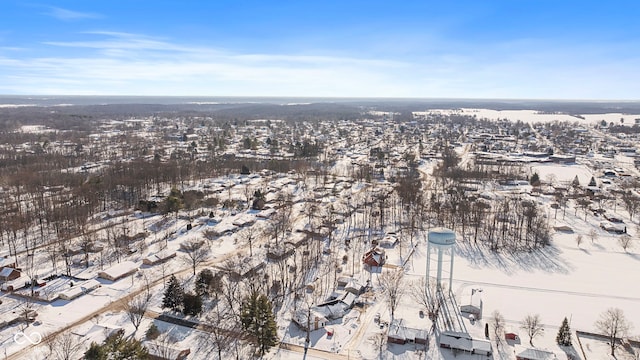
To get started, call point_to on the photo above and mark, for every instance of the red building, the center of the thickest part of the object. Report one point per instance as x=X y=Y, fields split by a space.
x=374 y=257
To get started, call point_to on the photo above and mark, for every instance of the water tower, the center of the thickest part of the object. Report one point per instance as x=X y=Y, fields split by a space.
x=440 y=241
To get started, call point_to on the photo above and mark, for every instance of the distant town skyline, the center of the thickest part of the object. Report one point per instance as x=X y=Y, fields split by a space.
x=432 y=49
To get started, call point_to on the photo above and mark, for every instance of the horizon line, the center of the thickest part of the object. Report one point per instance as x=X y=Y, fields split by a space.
x=326 y=97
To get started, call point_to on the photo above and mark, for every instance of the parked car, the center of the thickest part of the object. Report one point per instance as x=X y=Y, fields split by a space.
x=618 y=228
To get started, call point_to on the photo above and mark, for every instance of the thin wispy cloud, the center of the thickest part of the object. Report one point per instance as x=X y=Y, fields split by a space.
x=121 y=63
x=69 y=15
x=119 y=40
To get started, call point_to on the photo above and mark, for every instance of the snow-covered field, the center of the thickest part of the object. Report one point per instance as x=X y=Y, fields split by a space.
x=531 y=116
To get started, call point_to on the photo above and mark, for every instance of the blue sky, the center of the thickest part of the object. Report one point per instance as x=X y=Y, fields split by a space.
x=435 y=49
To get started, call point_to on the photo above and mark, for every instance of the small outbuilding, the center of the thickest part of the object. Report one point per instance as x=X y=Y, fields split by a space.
x=119 y=271
x=510 y=334
x=8 y=274
x=474 y=306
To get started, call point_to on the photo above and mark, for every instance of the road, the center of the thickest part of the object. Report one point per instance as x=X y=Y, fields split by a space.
x=318 y=353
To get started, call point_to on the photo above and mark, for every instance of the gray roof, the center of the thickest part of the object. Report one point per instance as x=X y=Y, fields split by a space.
x=536 y=354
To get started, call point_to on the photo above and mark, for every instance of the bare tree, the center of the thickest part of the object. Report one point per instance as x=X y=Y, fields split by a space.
x=625 y=241
x=196 y=253
x=87 y=241
x=631 y=202
x=593 y=235
x=162 y=346
x=427 y=297
x=220 y=334
x=498 y=323
x=578 y=240
x=379 y=340
x=136 y=307
x=614 y=326
x=533 y=326
x=27 y=312
x=249 y=235
x=63 y=346
x=392 y=284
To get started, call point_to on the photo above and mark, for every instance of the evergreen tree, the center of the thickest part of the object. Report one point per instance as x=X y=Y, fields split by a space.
x=192 y=304
x=173 y=295
x=152 y=332
x=259 y=322
x=535 y=180
x=116 y=347
x=95 y=352
x=258 y=200
x=564 y=334
x=204 y=283
x=575 y=182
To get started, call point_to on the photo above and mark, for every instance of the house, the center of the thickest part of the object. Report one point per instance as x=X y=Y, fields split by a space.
x=374 y=257
x=535 y=354
x=354 y=287
x=99 y=331
x=119 y=271
x=389 y=241
x=455 y=340
x=563 y=159
x=401 y=334
x=6 y=262
x=9 y=273
x=266 y=213
x=337 y=307
x=277 y=253
x=464 y=341
x=165 y=351
x=158 y=258
x=481 y=347
x=79 y=289
x=248 y=267
x=244 y=220
x=316 y=320
x=347 y=283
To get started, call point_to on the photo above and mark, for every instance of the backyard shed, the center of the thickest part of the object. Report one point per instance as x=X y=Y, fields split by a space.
x=8 y=274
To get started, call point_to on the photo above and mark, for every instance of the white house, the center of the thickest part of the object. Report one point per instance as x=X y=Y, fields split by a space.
x=316 y=320
x=464 y=342
x=535 y=354
x=119 y=271
x=79 y=289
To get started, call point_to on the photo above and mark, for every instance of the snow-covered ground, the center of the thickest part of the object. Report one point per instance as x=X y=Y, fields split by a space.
x=566 y=279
